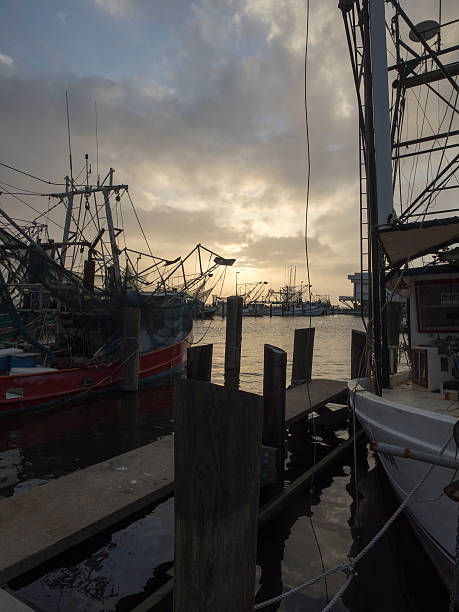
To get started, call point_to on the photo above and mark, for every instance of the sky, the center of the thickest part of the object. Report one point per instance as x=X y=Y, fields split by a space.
x=201 y=111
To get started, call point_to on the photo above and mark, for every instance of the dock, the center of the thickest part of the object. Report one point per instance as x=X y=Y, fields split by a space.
x=312 y=396
x=39 y=524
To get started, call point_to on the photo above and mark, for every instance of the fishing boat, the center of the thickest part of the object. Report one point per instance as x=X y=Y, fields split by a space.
x=409 y=225
x=82 y=307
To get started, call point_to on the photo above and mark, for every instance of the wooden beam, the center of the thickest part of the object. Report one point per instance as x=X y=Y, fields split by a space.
x=217 y=480
x=199 y=362
x=233 y=341
x=303 y=348
x=274 y=383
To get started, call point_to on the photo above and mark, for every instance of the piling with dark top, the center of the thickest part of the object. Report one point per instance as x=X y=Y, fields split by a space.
x=303 y=348
x=393 y=313
x=274 y=384
x=131 y=339
x=393 y=318
x=199 y=362
x=217 y=480
x=233 y=341
x=358 y=354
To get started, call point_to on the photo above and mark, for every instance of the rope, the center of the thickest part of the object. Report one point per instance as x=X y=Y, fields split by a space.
x=330 y=572
x=350 y=565
x=455 y=573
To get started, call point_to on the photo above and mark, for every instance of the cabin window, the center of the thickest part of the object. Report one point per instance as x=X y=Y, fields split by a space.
x=438 y=306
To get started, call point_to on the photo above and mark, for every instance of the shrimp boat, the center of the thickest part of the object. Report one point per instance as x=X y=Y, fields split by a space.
x=79 y=308
x=409 y=228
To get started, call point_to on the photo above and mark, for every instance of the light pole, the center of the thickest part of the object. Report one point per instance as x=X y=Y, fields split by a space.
x=236 y=281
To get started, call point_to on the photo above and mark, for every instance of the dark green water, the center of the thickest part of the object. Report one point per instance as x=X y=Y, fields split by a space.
x=320 y=527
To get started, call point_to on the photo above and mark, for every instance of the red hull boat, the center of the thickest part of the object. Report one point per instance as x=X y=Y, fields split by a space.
x=25 y=392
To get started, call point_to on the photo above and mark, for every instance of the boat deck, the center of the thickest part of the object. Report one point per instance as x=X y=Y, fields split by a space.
x=410 y=394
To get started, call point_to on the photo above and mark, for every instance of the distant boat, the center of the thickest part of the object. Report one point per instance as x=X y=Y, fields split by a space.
x=254 y=309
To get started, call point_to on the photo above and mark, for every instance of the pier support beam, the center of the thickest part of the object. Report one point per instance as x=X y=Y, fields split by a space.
x=358 y=356
x=217 y=480
x=131 y=339
x=303 y=348
x=393 y=312
x=274 y=384
x=199 y=362
x=233 y=341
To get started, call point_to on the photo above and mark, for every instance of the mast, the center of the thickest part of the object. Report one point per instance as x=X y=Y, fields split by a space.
x=68 y=218
x=379 y=175
x=381 y=115
x=111 y=231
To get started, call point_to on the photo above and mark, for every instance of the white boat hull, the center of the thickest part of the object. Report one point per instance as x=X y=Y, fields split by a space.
x=432 y=514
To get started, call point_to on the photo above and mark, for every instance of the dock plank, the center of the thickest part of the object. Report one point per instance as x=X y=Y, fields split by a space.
x=321 y=391
x=41 y=523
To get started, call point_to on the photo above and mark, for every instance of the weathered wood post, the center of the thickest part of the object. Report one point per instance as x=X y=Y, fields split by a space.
x=131 y=339
x=303 y=348
x=217 y=480
x=199 y=362
x=274 y=384
x=233 y=341
x=393 y=312
x=358 y=354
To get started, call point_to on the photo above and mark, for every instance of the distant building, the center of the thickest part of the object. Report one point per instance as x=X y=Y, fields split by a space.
x=359 y=298
x=359 y=295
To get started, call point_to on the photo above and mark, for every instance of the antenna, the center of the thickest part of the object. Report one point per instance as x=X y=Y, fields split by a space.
x=97 y=147
x=68 y=131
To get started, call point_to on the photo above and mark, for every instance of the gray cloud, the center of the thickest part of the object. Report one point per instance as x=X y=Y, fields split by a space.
x=214 y=150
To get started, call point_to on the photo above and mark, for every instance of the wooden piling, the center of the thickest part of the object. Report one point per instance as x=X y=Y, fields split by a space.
x=217 y=479
x=233 y=341
x=393 y=312
x=131 y=339
x=358 y=356
x=274 y=384
x=303 y=348
x=199 y=362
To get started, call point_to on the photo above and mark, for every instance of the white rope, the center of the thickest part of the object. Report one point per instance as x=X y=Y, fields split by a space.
x=350 y=565
x=338 y=568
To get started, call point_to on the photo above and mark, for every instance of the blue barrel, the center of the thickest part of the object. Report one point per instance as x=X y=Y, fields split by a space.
x=23 y=360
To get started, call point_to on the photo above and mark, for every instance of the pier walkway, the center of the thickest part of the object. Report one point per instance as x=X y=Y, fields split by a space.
x=314 y=395
x=39 y=524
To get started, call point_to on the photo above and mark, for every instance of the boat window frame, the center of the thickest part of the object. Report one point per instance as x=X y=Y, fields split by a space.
x=420 y=283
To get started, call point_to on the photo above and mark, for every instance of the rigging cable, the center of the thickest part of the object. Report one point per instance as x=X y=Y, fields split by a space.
x=31 y=175
x=308 y=182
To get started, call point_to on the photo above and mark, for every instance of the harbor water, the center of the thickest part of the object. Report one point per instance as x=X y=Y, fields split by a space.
x=321 y=526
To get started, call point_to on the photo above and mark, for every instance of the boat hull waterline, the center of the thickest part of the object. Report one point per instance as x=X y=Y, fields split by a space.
x=36 y=390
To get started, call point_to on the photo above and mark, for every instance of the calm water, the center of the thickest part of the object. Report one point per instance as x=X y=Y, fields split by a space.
x=118 y=569
x=332 y=345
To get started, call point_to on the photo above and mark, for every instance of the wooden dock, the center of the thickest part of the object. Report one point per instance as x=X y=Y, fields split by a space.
x=315 y=395
x=39 y=524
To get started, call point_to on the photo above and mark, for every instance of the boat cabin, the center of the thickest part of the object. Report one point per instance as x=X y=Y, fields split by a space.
x=432 y=294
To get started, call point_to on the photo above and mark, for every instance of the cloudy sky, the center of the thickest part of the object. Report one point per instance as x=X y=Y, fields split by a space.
x=201 y=111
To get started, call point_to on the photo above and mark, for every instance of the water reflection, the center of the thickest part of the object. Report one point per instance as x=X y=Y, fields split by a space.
x=36 y=448
x=118 y=569
x=396 y=574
